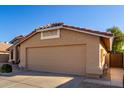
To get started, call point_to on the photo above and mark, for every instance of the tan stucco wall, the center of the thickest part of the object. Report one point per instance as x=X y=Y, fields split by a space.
x=68 y=37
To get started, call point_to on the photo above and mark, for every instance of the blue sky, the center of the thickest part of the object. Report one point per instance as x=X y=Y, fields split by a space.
x=20 y=20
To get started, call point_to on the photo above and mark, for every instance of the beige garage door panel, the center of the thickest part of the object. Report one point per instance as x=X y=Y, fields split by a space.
x=61 y=59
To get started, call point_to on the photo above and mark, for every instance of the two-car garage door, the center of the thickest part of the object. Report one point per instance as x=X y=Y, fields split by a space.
x=68 y=59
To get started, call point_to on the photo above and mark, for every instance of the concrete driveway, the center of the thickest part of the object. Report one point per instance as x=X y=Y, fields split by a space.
x=32 y=79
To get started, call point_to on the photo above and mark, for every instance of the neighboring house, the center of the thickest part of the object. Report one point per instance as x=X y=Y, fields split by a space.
x=13 y=50
x=67 y=49
x=4 y=54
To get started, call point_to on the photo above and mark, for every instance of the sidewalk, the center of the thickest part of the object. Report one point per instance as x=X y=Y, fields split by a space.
x=117 y=76
x=115 y=82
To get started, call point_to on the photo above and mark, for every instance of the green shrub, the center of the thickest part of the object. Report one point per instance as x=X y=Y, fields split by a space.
x=6 y=68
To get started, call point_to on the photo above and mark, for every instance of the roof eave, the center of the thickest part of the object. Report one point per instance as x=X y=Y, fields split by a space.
x=59 y=27
x=91 y=33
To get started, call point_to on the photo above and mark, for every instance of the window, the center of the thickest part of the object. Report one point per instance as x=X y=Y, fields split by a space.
x=50 y=34
x=11 y=54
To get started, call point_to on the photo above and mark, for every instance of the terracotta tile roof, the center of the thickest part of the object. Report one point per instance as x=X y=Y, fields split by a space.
x=73 y=27
x=89 y=30
x=4 y=46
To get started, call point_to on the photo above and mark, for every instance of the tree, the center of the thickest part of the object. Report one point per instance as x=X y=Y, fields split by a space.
x=118 y=41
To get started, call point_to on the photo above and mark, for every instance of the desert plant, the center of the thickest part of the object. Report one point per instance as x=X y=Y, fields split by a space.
x=6 y=68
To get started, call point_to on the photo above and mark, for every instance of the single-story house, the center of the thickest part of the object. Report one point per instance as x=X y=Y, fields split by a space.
x=62 y=48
